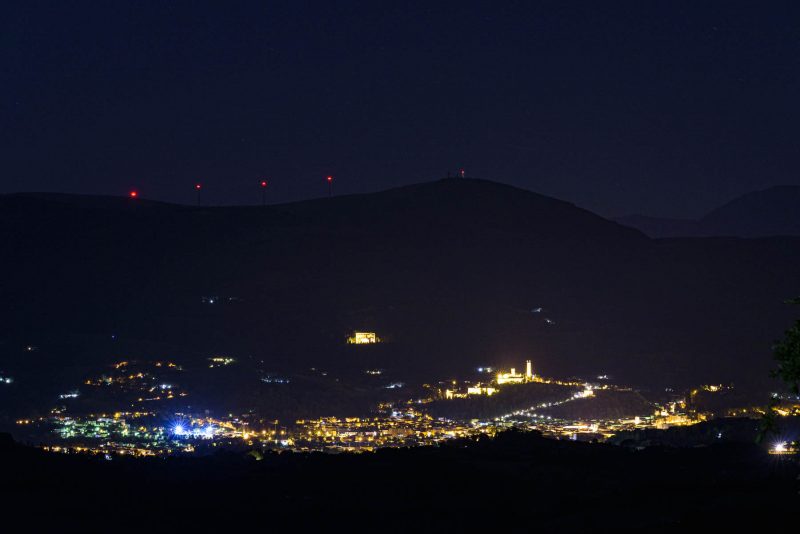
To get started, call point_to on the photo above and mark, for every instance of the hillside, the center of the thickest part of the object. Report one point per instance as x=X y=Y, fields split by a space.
x=450 y=274
x=770 y=212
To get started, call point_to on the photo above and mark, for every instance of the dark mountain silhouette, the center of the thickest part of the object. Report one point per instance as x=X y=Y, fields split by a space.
x=661 y=227
x=771 y=212
x=450 y=274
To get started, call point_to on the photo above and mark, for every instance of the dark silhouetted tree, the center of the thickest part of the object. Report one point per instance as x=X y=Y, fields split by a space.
x=787 y=353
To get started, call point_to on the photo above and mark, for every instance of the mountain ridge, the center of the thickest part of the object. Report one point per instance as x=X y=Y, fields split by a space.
x=450 y=273
x=762 y=213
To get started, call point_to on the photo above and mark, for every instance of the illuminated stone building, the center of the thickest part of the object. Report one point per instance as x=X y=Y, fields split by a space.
x=514 y=378
x=480 y=389
x=363 y=338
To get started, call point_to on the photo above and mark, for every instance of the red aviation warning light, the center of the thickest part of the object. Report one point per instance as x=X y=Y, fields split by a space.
x=329 y=178
x=133 y=194
x=263 y=185
x=198 y=186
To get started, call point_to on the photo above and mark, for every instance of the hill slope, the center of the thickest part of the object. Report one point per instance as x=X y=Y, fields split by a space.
x=770 y=212
x=451 y=274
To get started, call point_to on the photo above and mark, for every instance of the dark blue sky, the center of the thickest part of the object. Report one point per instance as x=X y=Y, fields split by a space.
x=667 y=108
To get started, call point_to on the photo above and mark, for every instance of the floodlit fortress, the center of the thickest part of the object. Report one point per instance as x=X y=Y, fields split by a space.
x=509 y=378
x=514 y=378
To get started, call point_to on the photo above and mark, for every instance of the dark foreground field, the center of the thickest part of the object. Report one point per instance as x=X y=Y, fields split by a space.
x=515 y=482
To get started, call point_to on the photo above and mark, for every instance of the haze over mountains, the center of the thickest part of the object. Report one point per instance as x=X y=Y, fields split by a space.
x=770 y=212
x=451 y=274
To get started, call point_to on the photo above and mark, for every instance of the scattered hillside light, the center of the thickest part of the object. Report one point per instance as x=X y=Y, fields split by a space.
x=219 y=361
x=270 y=379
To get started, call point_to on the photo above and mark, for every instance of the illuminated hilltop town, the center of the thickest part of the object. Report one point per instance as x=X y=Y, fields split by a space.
x=501 y=379
x=152 y=425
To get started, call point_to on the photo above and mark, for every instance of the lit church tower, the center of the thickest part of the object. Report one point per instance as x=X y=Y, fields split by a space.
x=528 y=371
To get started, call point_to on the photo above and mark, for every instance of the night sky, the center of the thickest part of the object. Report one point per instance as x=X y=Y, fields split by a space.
x=663 y=108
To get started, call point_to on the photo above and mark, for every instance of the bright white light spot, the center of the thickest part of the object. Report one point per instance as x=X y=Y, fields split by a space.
x=178 y=430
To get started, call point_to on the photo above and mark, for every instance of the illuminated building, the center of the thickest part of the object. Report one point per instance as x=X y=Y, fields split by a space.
x=363 y=338
x=514 y=378
x=451 y=394
x=680 y=419
x=479 y=389
x=783 y=447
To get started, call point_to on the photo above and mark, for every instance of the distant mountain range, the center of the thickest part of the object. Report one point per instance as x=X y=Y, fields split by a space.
x=771 y=212
x=451 y=274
